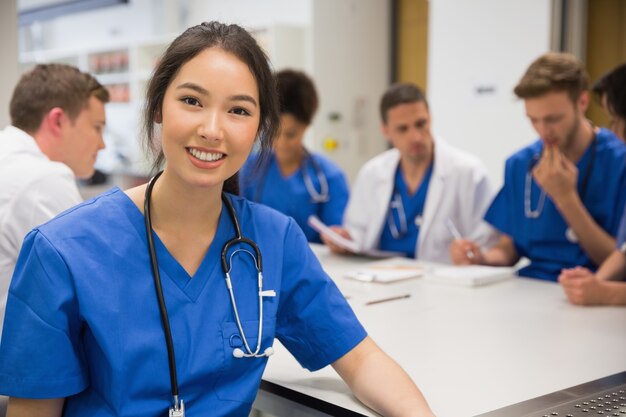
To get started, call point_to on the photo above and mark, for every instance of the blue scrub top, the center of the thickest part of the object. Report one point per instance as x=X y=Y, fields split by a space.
x=542 y=240
x=289 y=195
x=82 y=319
x=413 y=206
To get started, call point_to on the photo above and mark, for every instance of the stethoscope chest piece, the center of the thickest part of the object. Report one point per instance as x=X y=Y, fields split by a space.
x=178 y=410
x=570 y=235
x=419 y=220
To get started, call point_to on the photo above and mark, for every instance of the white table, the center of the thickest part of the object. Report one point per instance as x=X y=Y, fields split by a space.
x=470 y=350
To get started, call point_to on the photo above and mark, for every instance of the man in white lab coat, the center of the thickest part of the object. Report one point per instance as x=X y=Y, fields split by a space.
x=57 y=119
x=416 y=197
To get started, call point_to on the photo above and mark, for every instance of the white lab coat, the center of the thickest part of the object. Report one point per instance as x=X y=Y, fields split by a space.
x=33 y=189
x=459 y=190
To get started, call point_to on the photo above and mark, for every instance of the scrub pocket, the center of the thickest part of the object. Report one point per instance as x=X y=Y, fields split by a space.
x=240 y=378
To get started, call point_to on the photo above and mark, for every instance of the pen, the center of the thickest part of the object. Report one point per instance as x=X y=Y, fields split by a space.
x=457 y=235
x=382 y=300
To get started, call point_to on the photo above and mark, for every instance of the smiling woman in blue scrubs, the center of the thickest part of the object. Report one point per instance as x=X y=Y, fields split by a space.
x=293 y=180
x=563 y=195
x=84 y=331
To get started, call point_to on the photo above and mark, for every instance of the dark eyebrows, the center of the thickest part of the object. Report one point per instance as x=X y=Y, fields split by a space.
x=244 y=97
x=203 y=91
x=548 y=118
x=194 y=87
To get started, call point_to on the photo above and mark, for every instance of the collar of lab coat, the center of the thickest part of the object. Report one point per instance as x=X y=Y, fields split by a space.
x=441 y=171
x=15 y=140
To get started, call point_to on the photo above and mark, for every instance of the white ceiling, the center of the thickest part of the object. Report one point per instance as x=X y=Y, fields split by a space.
x=34 y=4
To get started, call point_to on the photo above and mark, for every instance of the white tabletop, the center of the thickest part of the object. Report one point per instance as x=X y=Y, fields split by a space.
x=470 y=350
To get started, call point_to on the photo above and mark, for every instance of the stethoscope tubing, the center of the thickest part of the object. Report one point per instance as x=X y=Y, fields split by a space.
x=534 y=214
x=171 y=359
x=318 y=197
x=396 y=203
x=178 y=406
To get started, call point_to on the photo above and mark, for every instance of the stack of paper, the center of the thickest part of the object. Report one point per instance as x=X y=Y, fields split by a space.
x=470 y=275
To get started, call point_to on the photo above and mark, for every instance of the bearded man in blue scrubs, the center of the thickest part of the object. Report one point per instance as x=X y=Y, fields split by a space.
x=563 y=194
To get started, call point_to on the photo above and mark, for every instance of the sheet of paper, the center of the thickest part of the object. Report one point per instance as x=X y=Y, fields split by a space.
x=334 y=237
x=347 y=244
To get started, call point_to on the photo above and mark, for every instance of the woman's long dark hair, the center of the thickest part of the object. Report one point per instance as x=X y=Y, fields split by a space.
x=233 y=39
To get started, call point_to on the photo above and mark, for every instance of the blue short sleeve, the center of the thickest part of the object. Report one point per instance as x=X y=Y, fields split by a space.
x=315 y=323
x=499 y=212
x=40 y=355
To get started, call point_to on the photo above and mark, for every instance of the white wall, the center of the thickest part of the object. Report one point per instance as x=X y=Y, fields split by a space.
x=8 y=52
x=140 y=19
x=98 y=28
x=483 y=44
x=350 y=63
x=252 y=14
x=281 y=26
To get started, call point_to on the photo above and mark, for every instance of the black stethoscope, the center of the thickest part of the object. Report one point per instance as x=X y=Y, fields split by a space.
x=321 y=196
x=534 y=214
x=178 y=407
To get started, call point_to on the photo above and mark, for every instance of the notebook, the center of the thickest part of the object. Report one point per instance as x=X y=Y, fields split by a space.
x=470 y=275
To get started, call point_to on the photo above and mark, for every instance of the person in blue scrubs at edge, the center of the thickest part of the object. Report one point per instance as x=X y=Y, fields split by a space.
x=413 y=198
x=293 y=180
x=84 y=329
x=563 y=195
x=607 y=285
